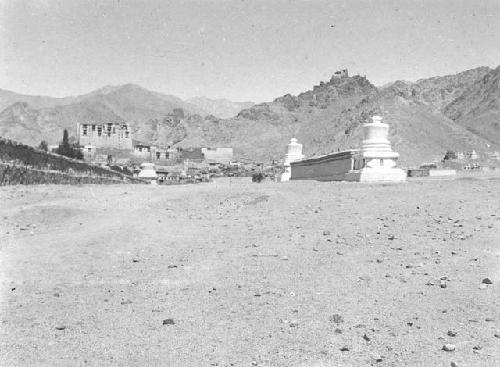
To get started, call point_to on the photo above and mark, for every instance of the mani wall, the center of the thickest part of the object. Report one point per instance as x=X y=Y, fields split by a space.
x=375 y=161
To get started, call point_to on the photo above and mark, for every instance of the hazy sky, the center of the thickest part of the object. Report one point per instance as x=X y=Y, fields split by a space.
x=238 y=49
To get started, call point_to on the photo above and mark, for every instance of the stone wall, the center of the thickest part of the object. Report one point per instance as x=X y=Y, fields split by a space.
x=330 y=167
x=22 y=175
x=23 y=155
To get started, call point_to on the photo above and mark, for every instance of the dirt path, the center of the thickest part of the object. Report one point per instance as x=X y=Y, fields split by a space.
x=293 y=274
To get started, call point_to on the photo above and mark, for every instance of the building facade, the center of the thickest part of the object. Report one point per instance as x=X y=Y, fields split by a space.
x=107 y=135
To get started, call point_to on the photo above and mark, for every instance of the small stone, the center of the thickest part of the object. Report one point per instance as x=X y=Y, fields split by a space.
x=168 y=322
x=487 y=281
x=60 y=327
x=326 y=233
x=294 y=323
x=391 y=237
x=171 y=266
x=442 y=284
x=497 y=334
x=489 y=319
x=135 y=260
x=284 y=258
x=449 y=347
x=453 y=364
x=377 y=358
x=452 y=333
x=337 y=319
x=366 y=337
x=254 y=363
x=477 y=347
x=339 y=331
x=344 y=349
x=126 y=302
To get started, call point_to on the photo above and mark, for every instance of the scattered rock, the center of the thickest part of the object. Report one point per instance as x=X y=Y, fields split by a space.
x=337 y=319
x=449 y=347
x=168 y=322
x=487 y=281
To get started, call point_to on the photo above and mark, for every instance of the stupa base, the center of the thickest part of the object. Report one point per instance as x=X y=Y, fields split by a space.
x=376 y=175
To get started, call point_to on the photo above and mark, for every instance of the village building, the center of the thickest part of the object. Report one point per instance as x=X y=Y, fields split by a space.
x=217 y=155
x=154 y=153
x=375 y=161
x=106 y=135
x=344 y=73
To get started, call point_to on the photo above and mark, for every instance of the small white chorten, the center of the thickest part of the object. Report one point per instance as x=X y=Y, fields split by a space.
x=294 y=153
x=379 y=161
x=148 y=171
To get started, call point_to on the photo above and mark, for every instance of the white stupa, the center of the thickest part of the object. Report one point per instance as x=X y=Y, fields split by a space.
x=294 y=153
x=148 y=172
x=379 y=160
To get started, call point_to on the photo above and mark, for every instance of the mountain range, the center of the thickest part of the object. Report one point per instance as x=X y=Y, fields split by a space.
x=426 y=117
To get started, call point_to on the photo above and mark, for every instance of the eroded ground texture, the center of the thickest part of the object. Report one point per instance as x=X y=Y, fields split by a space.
x=239 y=274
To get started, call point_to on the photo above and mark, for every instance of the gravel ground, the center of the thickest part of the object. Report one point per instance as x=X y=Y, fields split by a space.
x=239 y=274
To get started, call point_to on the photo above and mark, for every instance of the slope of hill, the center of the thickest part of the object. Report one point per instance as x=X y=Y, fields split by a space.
x=8 y=98
x=428 y=117
x=329 y=118
x=31 y=119
x=438 y=91
x=23 y=123
x=220 y=108
x=478 y=108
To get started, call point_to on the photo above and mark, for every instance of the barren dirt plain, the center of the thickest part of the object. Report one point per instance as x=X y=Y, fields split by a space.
x=234 y=273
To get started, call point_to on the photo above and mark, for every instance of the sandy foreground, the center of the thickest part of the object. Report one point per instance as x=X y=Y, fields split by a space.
x=239 y=274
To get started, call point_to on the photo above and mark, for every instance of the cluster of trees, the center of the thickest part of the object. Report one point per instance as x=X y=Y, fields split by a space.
x=65 y=148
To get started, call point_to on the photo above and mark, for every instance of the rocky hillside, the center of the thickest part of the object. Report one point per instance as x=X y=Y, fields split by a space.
x=329 y=118
x=219 y=108
x=427 y=117
x=478 y=109
x=31 y=118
